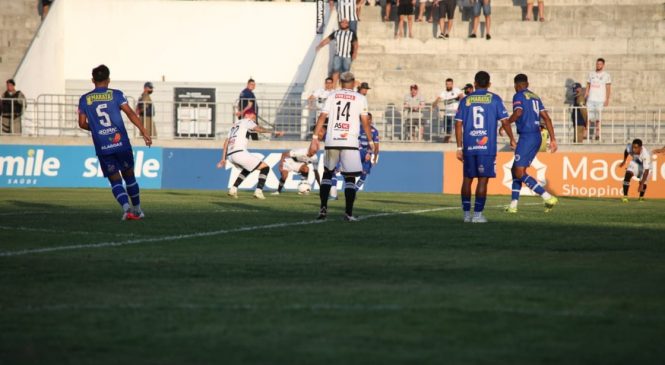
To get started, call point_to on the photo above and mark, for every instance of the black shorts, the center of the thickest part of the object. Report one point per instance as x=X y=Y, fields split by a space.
x=447 y=9
x=405 y=8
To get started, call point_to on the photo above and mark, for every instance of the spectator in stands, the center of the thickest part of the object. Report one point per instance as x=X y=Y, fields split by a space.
x=579 y=114
x=364 y=88
x=422 y=5
x=598 y=88
x=389 y=4
x=146 y=110
x=450 y=97
x=446 y=9
x=486 y=7
x=346 y=49
x=247 y=102
x=468 y=89
x=43 y=7
x=413 y=106
x=346 y=10
x=13 y=105
x=529 y=10
x=405 y=12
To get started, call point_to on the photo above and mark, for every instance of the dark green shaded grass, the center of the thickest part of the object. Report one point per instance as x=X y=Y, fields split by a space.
x=584 y=284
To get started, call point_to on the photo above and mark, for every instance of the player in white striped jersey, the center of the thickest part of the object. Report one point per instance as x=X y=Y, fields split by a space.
x=639 y=168
x=346 y=111
x=297 y=161
x=235 y=151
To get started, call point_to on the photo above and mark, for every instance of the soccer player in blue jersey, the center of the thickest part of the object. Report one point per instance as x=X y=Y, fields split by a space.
x=527 y=111
x=476 y=123
x=99 y=113
x=368 y=157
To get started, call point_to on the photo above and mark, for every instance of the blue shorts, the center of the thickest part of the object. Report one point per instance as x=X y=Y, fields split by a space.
x=341 y=64
x=527 y=149
x=486 y=8
x=115 y=162
x=367 y=165
x=479 y=166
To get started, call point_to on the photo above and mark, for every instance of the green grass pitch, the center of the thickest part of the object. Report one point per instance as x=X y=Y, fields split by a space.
x=206 y=279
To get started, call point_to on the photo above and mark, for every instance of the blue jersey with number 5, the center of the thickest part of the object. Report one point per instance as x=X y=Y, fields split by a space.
x=480 y=113
x=531 y=106
x=101 y=107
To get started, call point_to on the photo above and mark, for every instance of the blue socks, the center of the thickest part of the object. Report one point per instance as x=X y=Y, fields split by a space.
x=133 y=190
x=480 y=204
x=533 y=184
x=517 y=187
x=466 y=203
x=120 y=195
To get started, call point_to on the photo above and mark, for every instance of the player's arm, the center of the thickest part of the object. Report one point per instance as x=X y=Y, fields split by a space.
x=222 y=162
x=259 y=129
x=625 y=157
x=137 y=123
x=367 y=127
x=324 y=42
x=458 y=136
x=550 y=130
x=644 y=180
x=83 y=122
x=317 y=177
x=436 y=102
x=506 y=124
x=608 y=89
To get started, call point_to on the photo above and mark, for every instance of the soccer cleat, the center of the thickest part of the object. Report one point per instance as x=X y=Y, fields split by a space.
x=624 y=200
x=275 y=193
x=550 y=203
x=258 y=194
x=467 y=219
x=129 y=216
x=323 y=214
x=511 y=210
x=350 y=218
x=641 y=199
x=233 y=192
x=479 y=219
x=138 y=213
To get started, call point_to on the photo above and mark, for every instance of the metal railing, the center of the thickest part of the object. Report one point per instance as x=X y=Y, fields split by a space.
x=56 y=115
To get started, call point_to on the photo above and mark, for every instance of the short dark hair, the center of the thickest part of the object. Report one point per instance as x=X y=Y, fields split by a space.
x=250 y=80
x=638 y=142
x=329 y=79
x=519 y=78
x=101 y=73
x=482 y=78
x=600 y=59
x=369 y=115
x=11 y=81
x=449 y=79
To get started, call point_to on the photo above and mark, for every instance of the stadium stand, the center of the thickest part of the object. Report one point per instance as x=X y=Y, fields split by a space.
x=18 y=23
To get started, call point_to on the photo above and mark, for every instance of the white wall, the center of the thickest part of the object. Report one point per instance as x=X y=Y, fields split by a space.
x=180 y=41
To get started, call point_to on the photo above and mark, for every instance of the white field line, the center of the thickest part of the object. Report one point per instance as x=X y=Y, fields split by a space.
x=208 y=233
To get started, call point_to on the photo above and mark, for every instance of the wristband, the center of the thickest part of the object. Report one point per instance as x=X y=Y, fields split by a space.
x=460 y=148
x=315 y=137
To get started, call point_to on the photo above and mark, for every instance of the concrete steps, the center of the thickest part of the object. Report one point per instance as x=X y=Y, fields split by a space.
x=19 y=21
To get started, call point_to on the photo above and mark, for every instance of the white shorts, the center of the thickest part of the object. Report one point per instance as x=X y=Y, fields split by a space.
x=636 y=169
x=244 y=160
x=292 y=165
x=595 y=109
x=349 y=161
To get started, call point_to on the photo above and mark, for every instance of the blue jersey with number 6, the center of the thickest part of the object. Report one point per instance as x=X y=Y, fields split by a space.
x=101 y=107
x=531 y=106
x=480 y=113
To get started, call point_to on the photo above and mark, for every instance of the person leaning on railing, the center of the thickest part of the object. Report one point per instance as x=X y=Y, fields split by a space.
x=145 y=109
x=13 y=105
x=579 y=114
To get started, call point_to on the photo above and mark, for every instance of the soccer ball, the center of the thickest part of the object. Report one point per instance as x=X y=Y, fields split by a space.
x=304 y=188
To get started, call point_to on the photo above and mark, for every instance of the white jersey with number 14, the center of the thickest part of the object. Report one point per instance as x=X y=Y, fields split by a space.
x=344 y=108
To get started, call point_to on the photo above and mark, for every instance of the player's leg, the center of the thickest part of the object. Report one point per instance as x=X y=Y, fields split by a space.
x=367 y=168
x=469 y=171
x=283 y=174
x=626 y=185
x=330 y=161
x=133 y=191
x=264 y=170
x=110 y=168
x=481 y=198
x=529 y=9
x=487 y=11
x=524 y=155
x=351 y=168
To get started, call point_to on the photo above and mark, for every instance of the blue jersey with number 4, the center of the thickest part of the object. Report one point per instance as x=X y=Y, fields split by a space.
x=480 y=113
x=531 y=106
x=101 y=107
